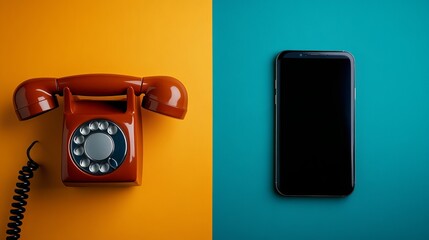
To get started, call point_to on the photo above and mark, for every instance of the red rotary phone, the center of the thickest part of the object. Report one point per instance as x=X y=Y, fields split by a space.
x=102 y=141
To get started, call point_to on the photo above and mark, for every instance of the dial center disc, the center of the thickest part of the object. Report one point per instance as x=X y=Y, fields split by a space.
x=99 y=146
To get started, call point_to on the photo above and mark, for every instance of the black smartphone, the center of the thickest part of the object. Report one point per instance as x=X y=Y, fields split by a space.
x=315 y=123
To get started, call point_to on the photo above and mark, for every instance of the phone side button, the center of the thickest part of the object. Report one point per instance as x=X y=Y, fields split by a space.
x=355 y=94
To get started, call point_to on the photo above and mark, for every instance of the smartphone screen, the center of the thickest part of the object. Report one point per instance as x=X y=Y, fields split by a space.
x=315 y=99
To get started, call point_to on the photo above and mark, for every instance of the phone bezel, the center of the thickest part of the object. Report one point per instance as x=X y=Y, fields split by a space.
x=319 y=55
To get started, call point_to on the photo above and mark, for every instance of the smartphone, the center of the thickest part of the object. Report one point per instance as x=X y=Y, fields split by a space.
x=315 y=123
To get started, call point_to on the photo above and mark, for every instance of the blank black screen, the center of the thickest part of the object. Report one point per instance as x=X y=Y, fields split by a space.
x=315 y=125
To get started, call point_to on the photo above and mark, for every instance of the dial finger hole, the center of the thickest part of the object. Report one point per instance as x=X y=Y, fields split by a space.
x=93 y=125
x=104 y=168
x=78 y=151
x=94 y=167
x=78 y=139
x=84 y=130
x=113 y=163
x=103 y=125
x=84 y=162
x=112 y=130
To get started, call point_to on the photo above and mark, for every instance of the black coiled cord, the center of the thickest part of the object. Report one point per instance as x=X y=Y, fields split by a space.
x=21 y=191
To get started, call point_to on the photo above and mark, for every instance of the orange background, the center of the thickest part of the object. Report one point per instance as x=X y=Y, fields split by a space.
x=139 y=38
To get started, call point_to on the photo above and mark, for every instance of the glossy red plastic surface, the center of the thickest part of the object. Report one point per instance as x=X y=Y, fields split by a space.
x=126 y=115
x=35 y=96
x=99 y=84
x=162 y=94
x=165 y=95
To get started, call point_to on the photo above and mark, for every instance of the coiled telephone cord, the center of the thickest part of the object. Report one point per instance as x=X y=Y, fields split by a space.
x=23 y=187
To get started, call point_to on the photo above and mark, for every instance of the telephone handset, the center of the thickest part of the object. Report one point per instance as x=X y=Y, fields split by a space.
x=102 y=141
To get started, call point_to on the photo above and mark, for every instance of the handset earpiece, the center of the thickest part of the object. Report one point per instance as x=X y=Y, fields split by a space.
x=165 y=95
x=34 y=97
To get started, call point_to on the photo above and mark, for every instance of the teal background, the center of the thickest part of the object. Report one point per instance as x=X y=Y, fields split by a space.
x=390 y=43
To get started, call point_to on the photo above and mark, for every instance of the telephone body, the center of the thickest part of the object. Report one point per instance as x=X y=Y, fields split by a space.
x=102 y=136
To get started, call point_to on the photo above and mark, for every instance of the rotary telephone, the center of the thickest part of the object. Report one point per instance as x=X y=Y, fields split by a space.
x=102 y=140
x=102 y=137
